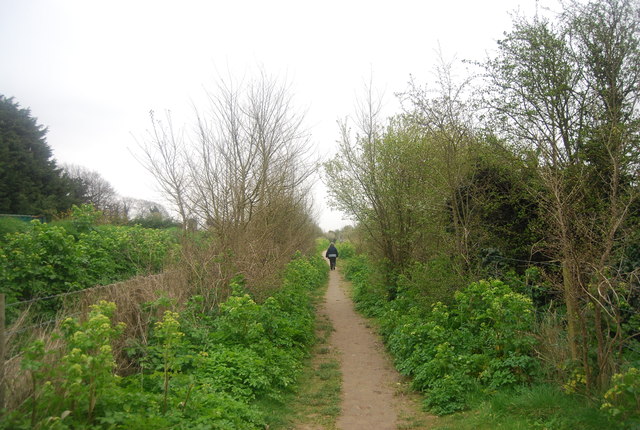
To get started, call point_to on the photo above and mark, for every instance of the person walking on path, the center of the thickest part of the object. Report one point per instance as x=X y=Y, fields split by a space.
x=332 y=255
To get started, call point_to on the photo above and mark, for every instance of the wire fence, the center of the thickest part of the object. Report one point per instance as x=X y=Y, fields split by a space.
x=55 y=296
x=84 y=291
x=45 y=323
x=28 y=320
x=76 y=292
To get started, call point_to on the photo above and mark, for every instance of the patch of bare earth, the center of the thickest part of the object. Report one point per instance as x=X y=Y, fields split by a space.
x=374 y=396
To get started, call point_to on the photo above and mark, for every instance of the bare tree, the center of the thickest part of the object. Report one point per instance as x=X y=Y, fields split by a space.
x=97 y=190
x=164 y=157
x=250 y=147
x=243 y=173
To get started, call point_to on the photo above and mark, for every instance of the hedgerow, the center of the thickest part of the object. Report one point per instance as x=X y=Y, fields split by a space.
x=48 y=259
x=200 y=370
x=481 y=341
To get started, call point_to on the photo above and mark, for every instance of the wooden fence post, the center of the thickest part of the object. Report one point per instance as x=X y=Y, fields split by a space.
x=2 y=352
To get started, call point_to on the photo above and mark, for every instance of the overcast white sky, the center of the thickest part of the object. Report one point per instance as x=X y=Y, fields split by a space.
x=92 y=70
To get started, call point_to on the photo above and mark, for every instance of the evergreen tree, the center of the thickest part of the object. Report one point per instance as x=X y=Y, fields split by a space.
x=30 y=181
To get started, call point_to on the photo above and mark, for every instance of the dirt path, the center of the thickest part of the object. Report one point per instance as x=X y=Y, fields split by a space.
x=373 y=396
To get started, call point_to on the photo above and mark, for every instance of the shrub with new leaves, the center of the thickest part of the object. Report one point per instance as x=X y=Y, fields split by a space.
x=72 y=380
x=482 y=339
x=48 y=259
x=622 y=400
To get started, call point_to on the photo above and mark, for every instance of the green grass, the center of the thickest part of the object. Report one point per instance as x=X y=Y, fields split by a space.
x=539 y=407
x=316 y=398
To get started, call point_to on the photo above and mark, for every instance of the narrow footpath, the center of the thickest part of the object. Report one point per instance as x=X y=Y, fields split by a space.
x=373 y=395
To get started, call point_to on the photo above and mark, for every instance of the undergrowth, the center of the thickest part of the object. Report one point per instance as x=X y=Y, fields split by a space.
x=539 y=407
x=200 y=370
x=45 y=259
x=477 y=352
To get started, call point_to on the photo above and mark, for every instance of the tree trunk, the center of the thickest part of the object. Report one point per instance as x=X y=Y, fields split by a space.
x=571 y=301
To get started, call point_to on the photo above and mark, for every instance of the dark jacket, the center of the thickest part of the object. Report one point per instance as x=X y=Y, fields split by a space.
x=332 y=252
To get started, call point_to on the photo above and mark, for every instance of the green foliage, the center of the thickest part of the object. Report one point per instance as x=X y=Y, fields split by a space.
x=84 y=217
x=379 y=176
x=480 y=341
x=482 y=338
x=321 y=244
x=346 y=249
x=46 y=259
x=11 y=225
x=168 y=340
x=430 y=282
x=155 y=219
x=498 y=191
x=622 y=400
x=70 y=381
x=30 y=181
x=201 y=371
x=88 y=364
x=42 y=261
x=537 y=407
x=369 y=296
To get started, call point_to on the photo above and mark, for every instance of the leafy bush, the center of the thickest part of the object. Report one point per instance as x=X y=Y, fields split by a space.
x=42 y=261
x=11 y=225
x=201 y=371
x=369 y=294
x=430 y=282
x=483 y=337
x=46 y=259
x=346 y=250
x=70 y=383
x=622 y=400
x=480 y=341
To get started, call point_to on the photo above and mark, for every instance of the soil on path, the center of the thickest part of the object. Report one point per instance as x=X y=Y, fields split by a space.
x=373 y=394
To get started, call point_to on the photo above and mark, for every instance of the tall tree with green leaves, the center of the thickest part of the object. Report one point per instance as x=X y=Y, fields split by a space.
x=377 y=178
x=30 y=181
x=567 y=91
x=425 y=185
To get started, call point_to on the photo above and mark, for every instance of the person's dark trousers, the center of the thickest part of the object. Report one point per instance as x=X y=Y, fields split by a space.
x=332 y=263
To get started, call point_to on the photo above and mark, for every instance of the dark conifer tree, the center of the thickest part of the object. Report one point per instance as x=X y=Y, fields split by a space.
x=30 y=181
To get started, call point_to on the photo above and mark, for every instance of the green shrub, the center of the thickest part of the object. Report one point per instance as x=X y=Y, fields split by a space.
x=480 y=341
x=200 y=371
x=45 y=259
x=430 y=282
x=369 y=293
x=482 y=337
x=450 y=393
x=346 y=250
x=71 y=383
x=622 y=400
x=10 y=225
x=41 y=261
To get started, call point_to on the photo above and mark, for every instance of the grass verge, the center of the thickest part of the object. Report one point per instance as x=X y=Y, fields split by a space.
x=316 y=401
x=537 y=407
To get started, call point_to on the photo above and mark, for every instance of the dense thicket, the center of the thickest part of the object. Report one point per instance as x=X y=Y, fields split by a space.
x=568 y=91
x=530 y=173
x=198 y=369
x=46 y=259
